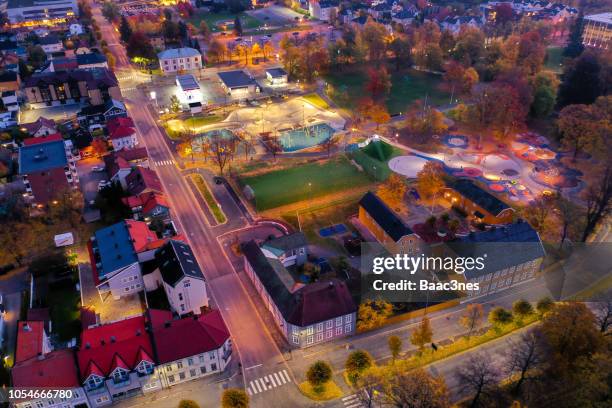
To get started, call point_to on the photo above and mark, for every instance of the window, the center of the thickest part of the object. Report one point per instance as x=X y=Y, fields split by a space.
x=212 y=355
x=320 y=336
x=329 y=324
x=339 y=321
x=201 y=358
x=190 y=361
x=187 y=284
x=182 y=307
x=309 y=339
x=170 y=379
x=181 y=297
x=348 y=318
x=338 y=331
x=203 y=370
x=319 y=327
x=309 y=330
x=347 y=328
x=330 y=333
x=179 y=365
x=181 y=375
x=295 y=339
x=213 y=367
x=192 y=373
x=169 y=367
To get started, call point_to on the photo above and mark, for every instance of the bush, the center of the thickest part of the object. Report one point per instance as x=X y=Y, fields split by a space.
x=188 y=404
x=234 y=398
x=522 y=308
x=319 y=373
x=545 y=305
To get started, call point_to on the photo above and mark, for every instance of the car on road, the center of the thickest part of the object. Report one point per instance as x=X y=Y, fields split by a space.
x=103 y=184
x=97 y=169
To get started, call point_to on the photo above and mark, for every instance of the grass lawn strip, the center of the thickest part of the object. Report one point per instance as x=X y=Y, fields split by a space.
x=330 y=391
x=316 y=100
x=213 y=206
x=305 y=182
x=212 y=19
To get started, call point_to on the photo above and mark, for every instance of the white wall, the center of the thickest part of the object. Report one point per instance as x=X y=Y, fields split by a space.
x=189 y=295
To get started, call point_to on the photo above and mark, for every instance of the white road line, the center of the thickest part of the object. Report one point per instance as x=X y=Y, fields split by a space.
x=350 y=397
x=278 y=379
x=272 y=380
x=257 y=384
x=286 y=375
x=263 y=384
x=353 y=405
x=249 y=391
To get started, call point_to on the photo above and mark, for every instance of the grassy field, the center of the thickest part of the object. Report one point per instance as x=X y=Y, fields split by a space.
x=374 y=159
x=406 y=86
x=175 y=127
x=308 y=181
x=208 y=197
x=554 y=59
x=65 y=312
x=212 y=19
x=316 y=100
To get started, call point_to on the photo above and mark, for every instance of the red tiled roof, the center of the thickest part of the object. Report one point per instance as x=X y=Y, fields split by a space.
x=152 y=200
x=34 y=127
x=30 y=336
x=140 y=233
x=189 y=336
x=143 y=180
x=42 y=139
x=118 y=362
x=114 y=123
x=56 y=370
x=121 y=132
x=101 y=345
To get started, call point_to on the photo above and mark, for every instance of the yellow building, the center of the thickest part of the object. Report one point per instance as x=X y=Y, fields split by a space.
x=597 y=30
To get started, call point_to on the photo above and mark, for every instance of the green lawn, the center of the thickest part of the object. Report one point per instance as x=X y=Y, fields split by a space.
x=308 y=181
x=316 y=100
x=554 y=59
x=198 y=121
x=64 y=303
x=213 y=19
x=208 y=197
x=374 y=159
x=407 y=85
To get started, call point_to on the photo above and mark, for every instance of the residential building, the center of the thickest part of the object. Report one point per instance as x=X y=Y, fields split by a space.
x=143 y=180
x=123 y=137
x=476 y=203
x=47 y=167
x=277 y=76
x=91 y=60
x=116 y=361
x=75 y=29
x=119 y=164
x=51 y=43
x=96 y=116
x=386 y=226
x=597 y=30
x=116 y=252
x=96 y=85
x=32 y=340
x=189 y=89
x=10 y=101
x=191 y=347
x=305 y=314
x=323 y=9
x=148 y=206
x=180 y=275
x=179 y=59
x=42 y=127
x=237 y=83
x=513 y=254
x=35 y=12
x=9 y=81
x=290 y=249
x=62 y=64
x=50 y=370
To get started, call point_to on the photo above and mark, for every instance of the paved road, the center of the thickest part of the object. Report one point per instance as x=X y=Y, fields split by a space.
x=255 y=347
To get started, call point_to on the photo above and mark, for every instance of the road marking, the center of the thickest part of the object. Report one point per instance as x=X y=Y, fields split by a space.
x=268 y=381
x=351 y=401
x=255 y=366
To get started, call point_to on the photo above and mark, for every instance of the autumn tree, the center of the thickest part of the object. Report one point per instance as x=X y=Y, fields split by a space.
x=220 y=150
x=21 y=240
x=205 y=31
x=499 y=317
x=469 y=46
x=602 y=309
x=430 y=180
x=479 y=378
x=356 y=363
x=423 y=121
x=392 y=191
x=574 y=45
x=373 y=35
x=373 y=313
x=379 y=82
x=395 y=346
x=545 y=305
x=234 y=398
x=422 y=334
x=318 y=374
x=370 y=382
x=579 y=128
x=545 y=85
x=140 y=46
x=414 y=388
x=582 y=81
x=539 y=213
x=598 y=200
x=99 y=146
x=471 y=319
x=400 y=48
x=67 y=205
x=125 y=30
x=522 y=309
x=216 y=51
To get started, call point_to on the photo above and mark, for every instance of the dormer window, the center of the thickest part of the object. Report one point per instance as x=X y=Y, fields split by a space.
x=144 y=368
x=119 y=375
x=93 y=382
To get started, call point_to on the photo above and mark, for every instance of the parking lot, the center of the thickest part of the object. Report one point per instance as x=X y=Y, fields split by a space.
x=89 y=179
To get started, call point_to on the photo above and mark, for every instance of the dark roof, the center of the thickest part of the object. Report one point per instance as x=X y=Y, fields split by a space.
x=502 y=247
x=90 y=58
x=95 y=78
x=50 y=39
x=276 y=72
x=310 y=304
x=384 y=216
x=8 y=76
x=479 y=196
x=287 y=242
x=235 y=79
x=176 y=260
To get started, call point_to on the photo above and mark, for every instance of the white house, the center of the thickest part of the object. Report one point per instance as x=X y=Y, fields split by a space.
x=123 y=137
x=188 y=89
x=291 y=303
x=179 y=274
x=179 y=59
x=191 y=347
x=322 y=9
x=277 y=76
x=76 y=29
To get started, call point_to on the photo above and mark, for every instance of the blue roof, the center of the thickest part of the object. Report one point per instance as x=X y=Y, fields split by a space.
x=115 y=248
x=42 y=156
x=235 y=79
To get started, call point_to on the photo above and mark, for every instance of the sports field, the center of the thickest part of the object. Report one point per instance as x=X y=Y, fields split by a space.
x=304 y=182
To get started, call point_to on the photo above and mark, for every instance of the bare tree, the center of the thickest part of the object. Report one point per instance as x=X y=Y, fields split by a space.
x=415 y=388
x=479 y=377
x=472 y=318
x=221 y=150
x=524 y=357
x=603 y=314
x=369 y=383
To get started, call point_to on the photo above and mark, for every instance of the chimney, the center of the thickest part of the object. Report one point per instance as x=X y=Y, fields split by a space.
x=87 y=346
x=138 y=332
x=26 y=327
x=102 y=342
x=167 y=324
x=113 y=339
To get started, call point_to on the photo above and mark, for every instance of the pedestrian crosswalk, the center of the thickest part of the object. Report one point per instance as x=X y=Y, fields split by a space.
x=352 y=401
x=160 y=163
x=267 y=382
